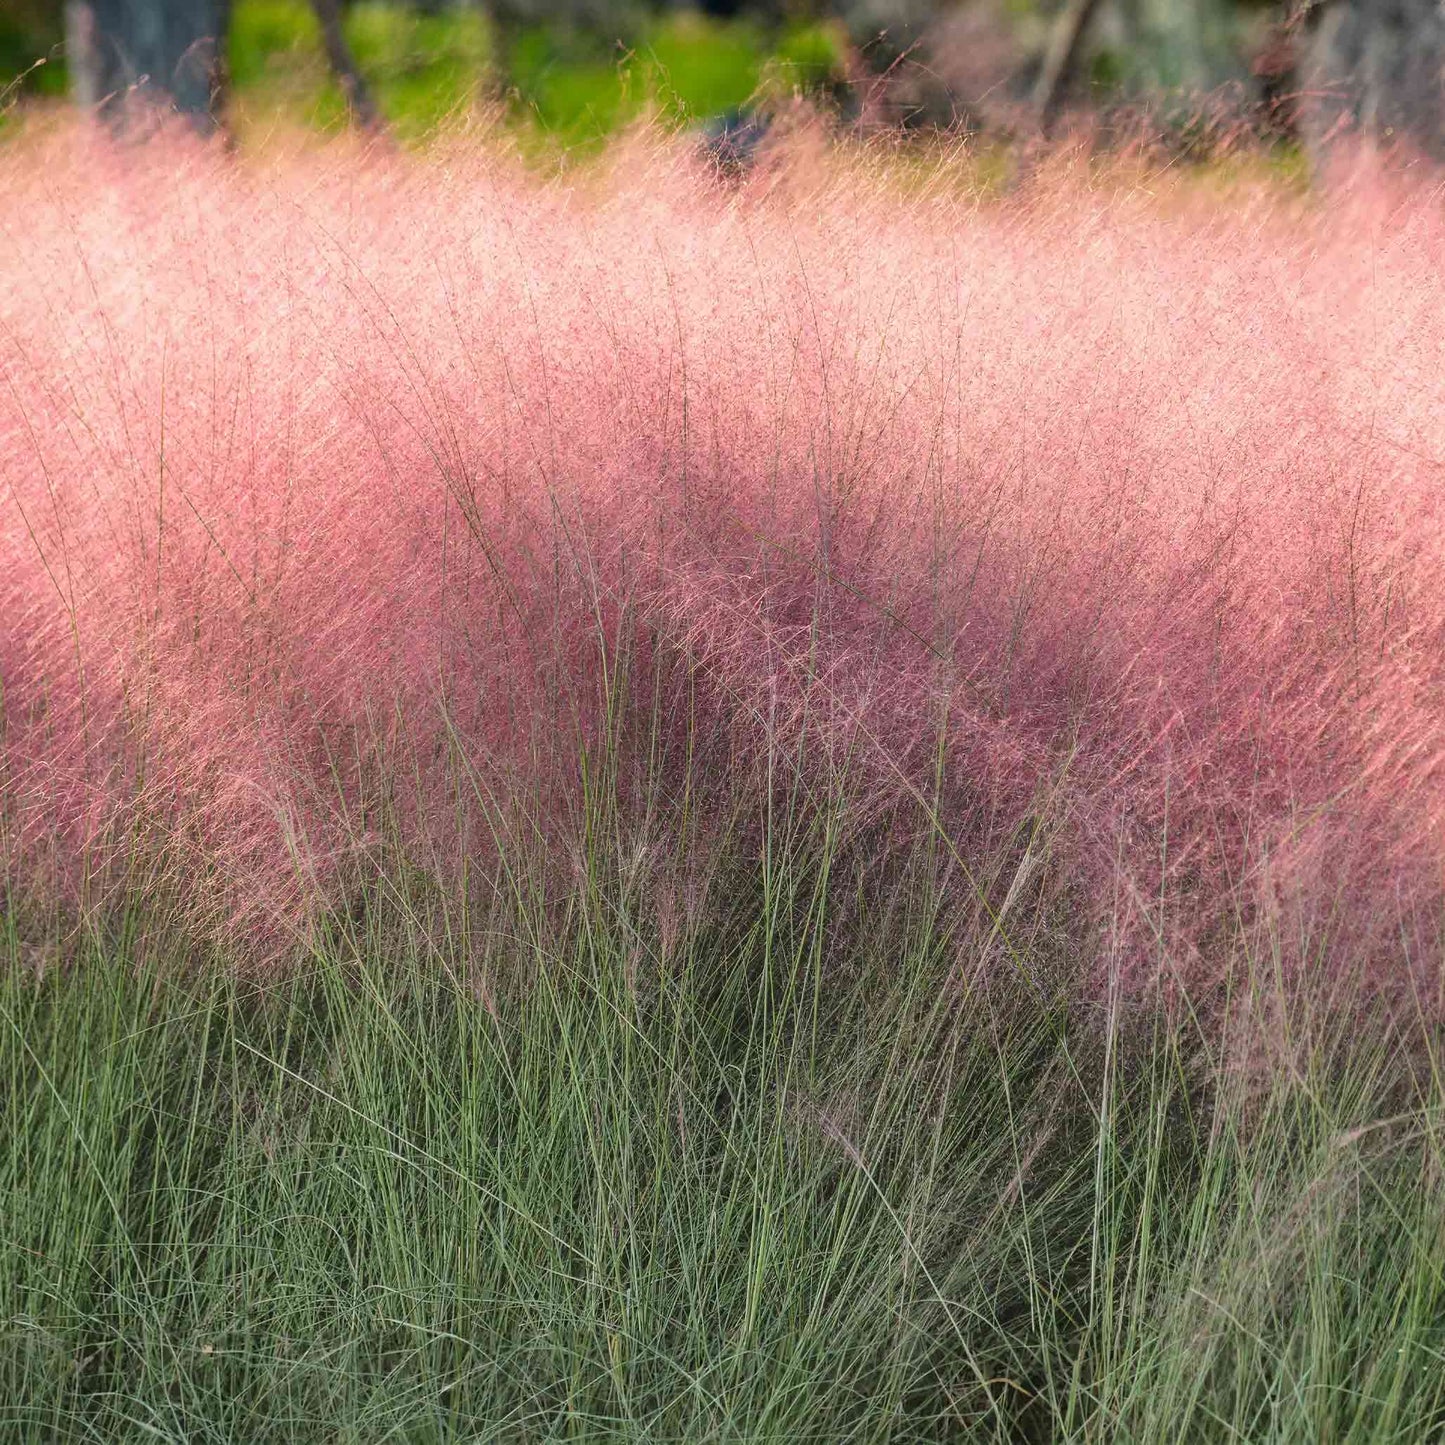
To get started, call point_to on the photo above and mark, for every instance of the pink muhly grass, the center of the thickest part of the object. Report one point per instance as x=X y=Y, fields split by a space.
x=323 y=485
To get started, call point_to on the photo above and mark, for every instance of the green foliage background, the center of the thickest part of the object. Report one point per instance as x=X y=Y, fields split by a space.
x=428 y=67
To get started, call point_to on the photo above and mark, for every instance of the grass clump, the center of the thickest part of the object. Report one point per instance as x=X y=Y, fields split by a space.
x=642 y=808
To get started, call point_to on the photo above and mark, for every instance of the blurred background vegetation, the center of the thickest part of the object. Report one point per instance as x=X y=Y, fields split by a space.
x=426 y=64
x=559 y=79
x=571 y=71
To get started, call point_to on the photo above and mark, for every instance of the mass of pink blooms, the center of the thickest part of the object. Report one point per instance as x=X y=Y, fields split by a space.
x=1100 y=502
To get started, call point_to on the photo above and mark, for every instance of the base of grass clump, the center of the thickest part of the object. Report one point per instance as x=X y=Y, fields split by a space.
x=544 y=1170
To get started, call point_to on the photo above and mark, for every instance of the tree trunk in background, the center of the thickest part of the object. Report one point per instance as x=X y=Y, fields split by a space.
x=1061 y=58
x=168 y=53
x=1374 y=68
x=343 y=65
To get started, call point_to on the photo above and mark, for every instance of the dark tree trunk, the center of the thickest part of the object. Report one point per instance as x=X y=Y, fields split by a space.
x=1375 y=68
x=343 y=65
x=126 y=55
x=1061 y=59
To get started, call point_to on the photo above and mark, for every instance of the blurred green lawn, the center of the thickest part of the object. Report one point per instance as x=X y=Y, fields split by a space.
x=565 y=85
